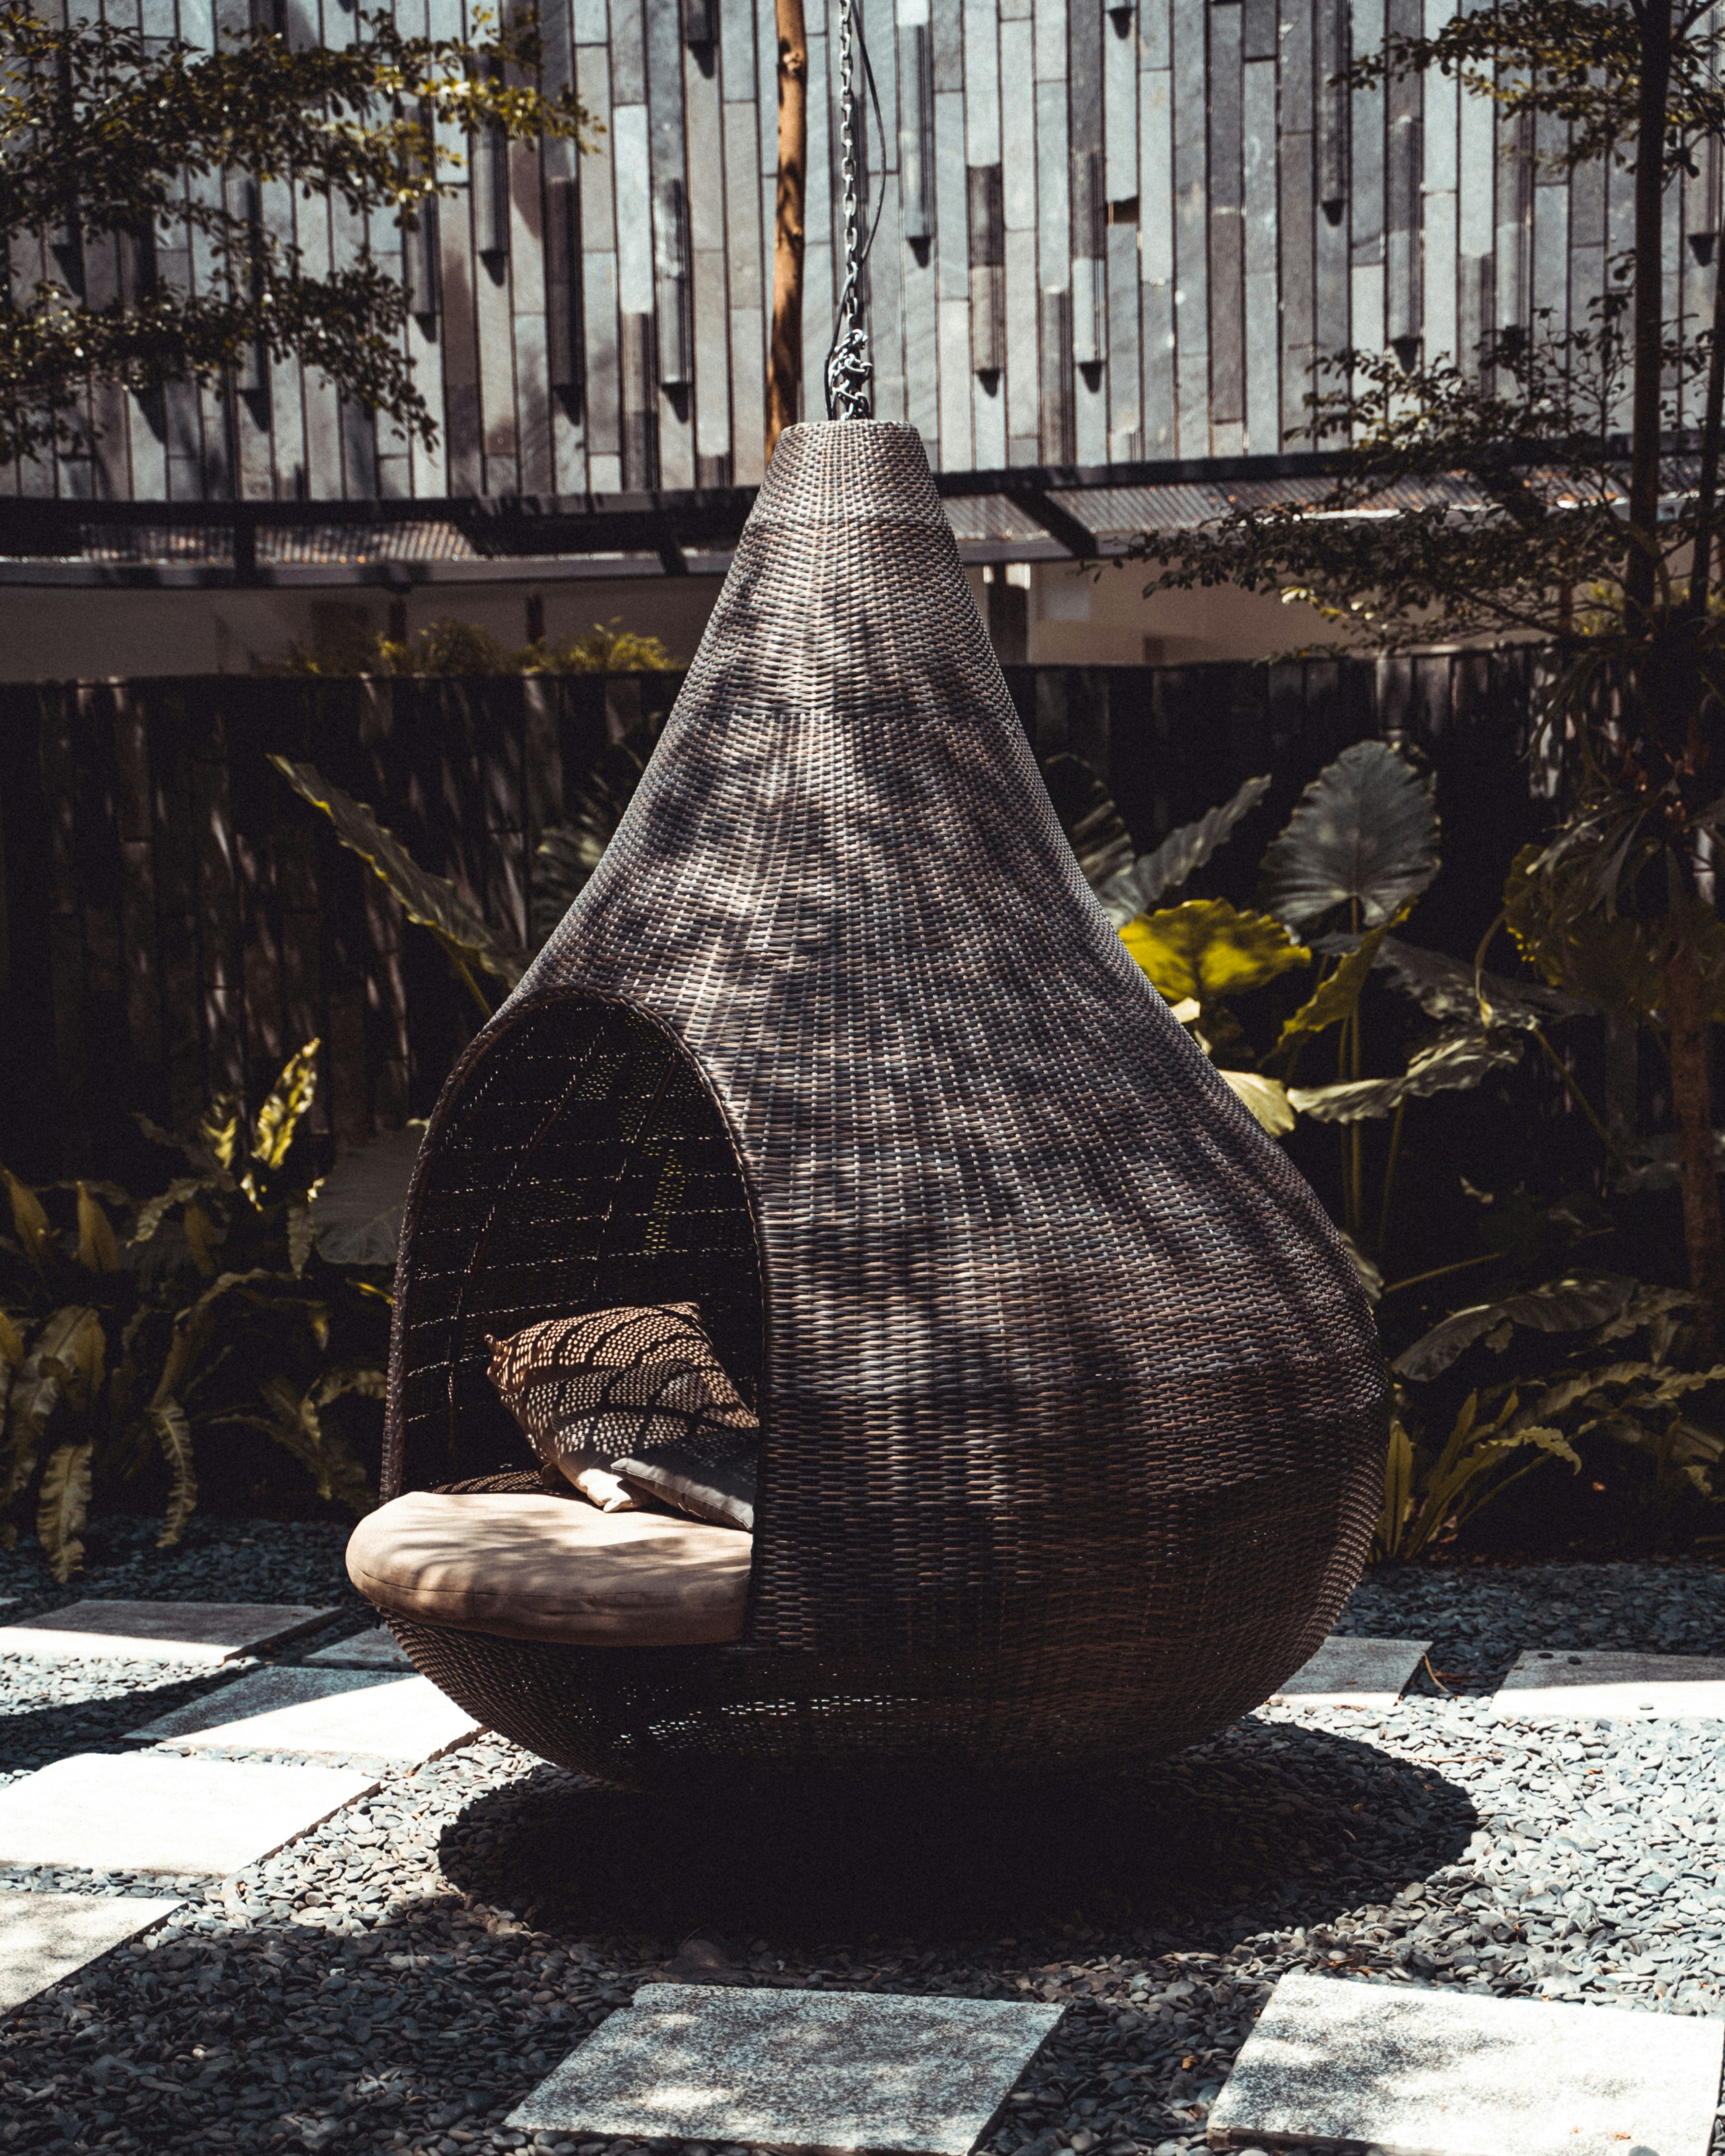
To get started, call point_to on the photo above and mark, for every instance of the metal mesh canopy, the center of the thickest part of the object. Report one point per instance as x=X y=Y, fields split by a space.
x=1073 y=1410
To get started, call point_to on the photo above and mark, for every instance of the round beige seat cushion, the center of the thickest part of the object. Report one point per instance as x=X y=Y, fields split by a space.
x=531 y=1568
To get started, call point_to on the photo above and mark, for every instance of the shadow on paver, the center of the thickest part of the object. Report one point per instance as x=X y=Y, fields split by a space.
x=36 y=1737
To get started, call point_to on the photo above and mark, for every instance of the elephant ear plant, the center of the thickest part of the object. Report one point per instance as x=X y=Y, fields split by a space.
x=1360 y=848
x=136 y=1334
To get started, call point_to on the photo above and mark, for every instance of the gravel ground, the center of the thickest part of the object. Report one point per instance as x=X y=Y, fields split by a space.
x=400 y=1978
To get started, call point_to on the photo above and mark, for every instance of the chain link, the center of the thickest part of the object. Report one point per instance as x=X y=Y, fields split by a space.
x=849 y=368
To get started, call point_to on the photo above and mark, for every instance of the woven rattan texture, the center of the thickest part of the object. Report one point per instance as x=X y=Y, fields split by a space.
x=1073 y=1411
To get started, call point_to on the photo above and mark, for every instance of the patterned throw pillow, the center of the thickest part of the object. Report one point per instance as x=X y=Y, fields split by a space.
x=614 y=1384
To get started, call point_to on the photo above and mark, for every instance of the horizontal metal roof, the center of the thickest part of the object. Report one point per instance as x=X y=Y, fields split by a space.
x=1022 y=513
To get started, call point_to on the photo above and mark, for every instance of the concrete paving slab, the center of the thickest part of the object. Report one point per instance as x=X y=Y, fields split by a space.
x=1355 y=1673
x=1595 y=1684
x=148 y=1811
x=376 y=1650
x=46 y=1937
x=1332 y=2064
x=369 y=1712
x=160 y=1631
x=824 y=2070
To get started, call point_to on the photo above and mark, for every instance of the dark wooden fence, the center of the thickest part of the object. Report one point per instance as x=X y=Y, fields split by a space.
x=175 y=922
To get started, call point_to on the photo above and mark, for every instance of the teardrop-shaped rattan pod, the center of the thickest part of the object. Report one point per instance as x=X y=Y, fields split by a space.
x=1073 y=1410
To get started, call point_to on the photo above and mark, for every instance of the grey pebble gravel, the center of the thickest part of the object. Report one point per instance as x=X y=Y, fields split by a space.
x=400 y=1978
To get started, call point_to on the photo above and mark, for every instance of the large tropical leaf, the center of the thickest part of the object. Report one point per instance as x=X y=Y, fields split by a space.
x=356 y=1215
x=1570 y=1305
x=430 y=901
x=1205 y=950
x=173 y=1433
x=62 y=1507
x=1448 y=1066
x=1135 y=890
x=1444 y=989
x=1365 y=833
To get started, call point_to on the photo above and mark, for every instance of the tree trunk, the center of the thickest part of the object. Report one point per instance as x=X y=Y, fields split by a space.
x=1640 y=579
x=1691 y=1096
x=784 y=361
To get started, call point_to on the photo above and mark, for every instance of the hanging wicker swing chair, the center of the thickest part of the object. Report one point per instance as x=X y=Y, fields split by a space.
x=1072 y=1413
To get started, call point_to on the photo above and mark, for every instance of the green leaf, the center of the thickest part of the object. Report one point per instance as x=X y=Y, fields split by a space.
x=1444 y=989
x=185 y=1187
x=431 y=902
x=1449 y=1065
x=1643 y=1307
x=1398 y=1473
x=1568 y=1305
x=29 y=1222
x=294 y=1422
x=289 y=1101
x=356 y=1215
x=1135 y=890
x=301 y=1233
x=1205 y=950
x=62 y=1507
x=173 y=1433
x=1267 y=1098
x=1335 y=998
x=97 y=1250
x=72 y=1348
x=1365 y=833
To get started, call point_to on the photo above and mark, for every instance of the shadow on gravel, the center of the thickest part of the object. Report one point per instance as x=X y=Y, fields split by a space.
x=1263 y=1828
x=40 y=1735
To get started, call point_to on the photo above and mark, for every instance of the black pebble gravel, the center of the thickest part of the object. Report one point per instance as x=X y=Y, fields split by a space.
x=401 y=1977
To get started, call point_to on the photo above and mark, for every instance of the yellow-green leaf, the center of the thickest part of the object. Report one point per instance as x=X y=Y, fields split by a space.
x=62 y=1507
x=219 y=1128
x=1337 y=997
x=1205 y=949
x=280 y=1115
x=28 y=1221
x=11 y=1341
x=1267 y=1098
x=173 y=1433
x=97 y=1250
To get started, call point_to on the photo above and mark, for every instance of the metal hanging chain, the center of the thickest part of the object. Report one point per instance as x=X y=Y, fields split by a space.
x=849 y=368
